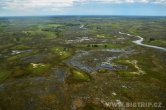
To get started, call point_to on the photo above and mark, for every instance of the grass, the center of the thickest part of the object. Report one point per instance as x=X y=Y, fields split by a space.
x=43 y=34
x=40 y=27
x=61 y=52
x=153 y=65
x=79 y=76
x=100 y=36
x=17 y=56
x=4 y=74
x=132 y=69
x=21 y=47
x=37 y=69
x=161 y=43
x=125 y=73
x=5 y=46
x=47 y=39
x=103 y=70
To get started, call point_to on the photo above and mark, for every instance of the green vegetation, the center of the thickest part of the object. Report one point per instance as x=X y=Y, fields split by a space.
x=18 y=72
x=79 y=76
x=53 y=62
x=17 y=56
x=21 y=47
x=128 y=63
x=132 y=67
x=62 y=52
x=37 y=69
x=99 y=46
x=4 y=74
x=102 y=70
x=100 y=36
x=161 y=43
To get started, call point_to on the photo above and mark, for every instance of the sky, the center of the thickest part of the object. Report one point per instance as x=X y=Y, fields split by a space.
x=82 y=7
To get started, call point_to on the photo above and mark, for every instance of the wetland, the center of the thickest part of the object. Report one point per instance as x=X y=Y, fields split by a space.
x=81 y=63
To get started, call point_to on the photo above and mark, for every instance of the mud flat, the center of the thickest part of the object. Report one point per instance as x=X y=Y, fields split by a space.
x=94 y=60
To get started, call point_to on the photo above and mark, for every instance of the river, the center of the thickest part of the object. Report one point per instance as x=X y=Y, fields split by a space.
x=140 y=42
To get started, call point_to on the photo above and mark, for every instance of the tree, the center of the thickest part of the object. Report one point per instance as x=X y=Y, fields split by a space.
x=151 y=39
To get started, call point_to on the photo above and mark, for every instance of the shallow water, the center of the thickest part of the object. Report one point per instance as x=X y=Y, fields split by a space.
x=139 y=42
x=91 y=61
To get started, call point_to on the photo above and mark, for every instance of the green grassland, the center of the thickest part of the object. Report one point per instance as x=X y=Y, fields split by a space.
x=38 y=69
x=79 y=76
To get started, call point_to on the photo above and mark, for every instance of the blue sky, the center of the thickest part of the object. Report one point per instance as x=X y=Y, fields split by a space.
x=82 y=7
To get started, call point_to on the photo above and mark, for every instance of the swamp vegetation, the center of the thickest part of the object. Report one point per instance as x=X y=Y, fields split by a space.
x=81 y=63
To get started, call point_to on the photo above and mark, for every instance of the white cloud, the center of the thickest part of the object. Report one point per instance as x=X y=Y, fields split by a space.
x=56 y=5
x=36 y=4
x=130 y=1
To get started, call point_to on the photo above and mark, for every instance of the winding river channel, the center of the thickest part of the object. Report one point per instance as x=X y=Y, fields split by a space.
x=140 y=42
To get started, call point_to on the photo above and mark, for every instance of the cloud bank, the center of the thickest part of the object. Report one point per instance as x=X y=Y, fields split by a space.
x=57 y=5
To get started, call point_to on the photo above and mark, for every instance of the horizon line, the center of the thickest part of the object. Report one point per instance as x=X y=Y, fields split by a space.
x=75 y=15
